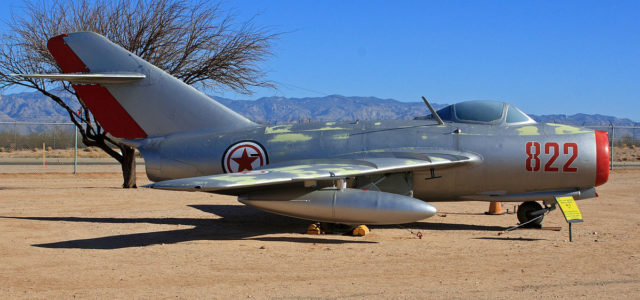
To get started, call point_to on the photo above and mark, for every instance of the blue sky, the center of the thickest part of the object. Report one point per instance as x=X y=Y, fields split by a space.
x=546 y=57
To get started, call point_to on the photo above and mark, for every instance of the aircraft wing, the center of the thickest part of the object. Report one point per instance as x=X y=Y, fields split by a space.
x=318 y=170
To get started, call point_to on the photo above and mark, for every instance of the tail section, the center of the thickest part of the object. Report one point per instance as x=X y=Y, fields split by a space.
x=130 y=97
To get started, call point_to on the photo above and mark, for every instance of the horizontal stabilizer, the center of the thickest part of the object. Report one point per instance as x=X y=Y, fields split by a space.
x=89 y=78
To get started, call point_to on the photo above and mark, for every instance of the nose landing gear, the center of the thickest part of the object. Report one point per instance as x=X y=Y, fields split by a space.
x=531 y=213
x=525 y=214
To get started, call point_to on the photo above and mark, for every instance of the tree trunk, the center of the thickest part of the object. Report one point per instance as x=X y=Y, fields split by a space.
x=128 y=165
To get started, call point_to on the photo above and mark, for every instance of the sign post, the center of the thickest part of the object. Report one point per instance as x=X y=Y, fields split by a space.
x=570 y=211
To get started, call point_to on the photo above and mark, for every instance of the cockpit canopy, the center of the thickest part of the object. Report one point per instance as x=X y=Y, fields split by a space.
x=484 y=112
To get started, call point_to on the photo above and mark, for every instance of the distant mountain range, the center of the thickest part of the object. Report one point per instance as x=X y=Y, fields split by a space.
x=278 y=110
x=585 y=120
x=32 y=107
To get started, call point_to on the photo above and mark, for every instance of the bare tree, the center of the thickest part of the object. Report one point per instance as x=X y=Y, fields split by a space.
x=196 y=42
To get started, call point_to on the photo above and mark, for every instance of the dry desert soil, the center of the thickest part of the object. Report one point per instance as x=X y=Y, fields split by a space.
x=80 y=236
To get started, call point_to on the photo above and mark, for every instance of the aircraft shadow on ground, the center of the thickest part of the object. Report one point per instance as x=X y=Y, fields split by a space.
x=236 y=223
x=443 y=226
x=510 y=239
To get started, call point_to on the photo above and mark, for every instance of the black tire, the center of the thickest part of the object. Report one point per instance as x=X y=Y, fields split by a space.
x=524 y=214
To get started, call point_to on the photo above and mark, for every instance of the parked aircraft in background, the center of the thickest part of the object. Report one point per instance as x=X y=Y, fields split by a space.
x=362 y=172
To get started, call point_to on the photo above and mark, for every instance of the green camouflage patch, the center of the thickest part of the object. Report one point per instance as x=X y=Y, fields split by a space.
x=528 y=130
x=278 y=129
x=290 y=138
x=566 y=129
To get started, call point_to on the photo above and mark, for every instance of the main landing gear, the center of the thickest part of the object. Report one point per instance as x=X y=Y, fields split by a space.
x=531 y=213
x=333 y=228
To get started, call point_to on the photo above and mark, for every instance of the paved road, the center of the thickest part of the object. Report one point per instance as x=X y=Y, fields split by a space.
x=63 y=161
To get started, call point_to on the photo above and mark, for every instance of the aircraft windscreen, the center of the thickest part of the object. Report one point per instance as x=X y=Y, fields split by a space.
x=479 y=111
x=514 y=115
x=445 y=114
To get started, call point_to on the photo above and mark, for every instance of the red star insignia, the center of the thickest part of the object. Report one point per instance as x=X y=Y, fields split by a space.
x=245 y=161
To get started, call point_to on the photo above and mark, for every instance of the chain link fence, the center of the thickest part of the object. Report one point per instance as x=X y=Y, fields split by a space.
x=622 y=139
x=38 y=137
x=621 y=136
x=31 y=135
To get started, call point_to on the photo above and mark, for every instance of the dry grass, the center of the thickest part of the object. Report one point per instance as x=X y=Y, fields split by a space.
x=627 y=153
x=89 y=152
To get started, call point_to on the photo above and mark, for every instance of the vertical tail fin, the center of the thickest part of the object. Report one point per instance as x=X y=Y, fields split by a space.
x=153 y=104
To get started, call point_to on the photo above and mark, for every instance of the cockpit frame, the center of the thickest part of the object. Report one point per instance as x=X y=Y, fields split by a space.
x=485 y=112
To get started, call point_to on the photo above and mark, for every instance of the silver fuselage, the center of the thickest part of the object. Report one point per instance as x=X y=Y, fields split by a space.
x=565 y=155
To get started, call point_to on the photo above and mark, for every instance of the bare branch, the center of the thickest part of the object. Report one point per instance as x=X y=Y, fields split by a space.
x=194 y=41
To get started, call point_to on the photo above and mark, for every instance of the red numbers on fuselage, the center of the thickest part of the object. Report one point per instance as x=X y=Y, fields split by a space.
x=533 y=150
x=556 y=152
x=574 y=154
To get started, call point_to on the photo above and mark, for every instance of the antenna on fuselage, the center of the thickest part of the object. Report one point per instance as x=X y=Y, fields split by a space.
x=433 y=111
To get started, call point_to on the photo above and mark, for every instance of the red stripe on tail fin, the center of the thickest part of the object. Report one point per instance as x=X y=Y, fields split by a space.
x=109 y=112
x=66 y=59
x=106 y=109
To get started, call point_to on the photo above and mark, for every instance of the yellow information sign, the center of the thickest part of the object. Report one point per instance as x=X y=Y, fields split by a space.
x=569 y=209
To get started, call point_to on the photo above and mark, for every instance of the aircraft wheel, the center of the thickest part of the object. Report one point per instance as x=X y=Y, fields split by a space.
x=525 y=214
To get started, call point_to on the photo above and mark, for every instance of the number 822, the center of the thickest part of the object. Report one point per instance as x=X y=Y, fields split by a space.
x=533 y=162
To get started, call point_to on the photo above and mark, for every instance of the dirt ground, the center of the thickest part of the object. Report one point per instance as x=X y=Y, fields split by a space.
x=68 y=236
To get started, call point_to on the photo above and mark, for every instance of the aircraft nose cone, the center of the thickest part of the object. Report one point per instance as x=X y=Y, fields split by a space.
x=602 y=157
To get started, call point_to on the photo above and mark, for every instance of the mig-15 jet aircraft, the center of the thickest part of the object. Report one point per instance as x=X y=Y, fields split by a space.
x=362 y=172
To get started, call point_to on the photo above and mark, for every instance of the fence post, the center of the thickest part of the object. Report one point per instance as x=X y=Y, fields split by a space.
x=75 y=151
x=613 y=137
x=15 y=136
